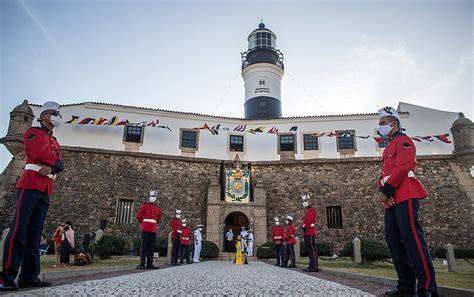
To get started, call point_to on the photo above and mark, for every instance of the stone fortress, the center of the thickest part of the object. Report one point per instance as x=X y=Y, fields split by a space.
x=110 y=167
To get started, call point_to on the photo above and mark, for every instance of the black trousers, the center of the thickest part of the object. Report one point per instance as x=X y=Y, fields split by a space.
x=147 y=248
x=280 y=254
x=175 y=247
x=184 y=254
x=406 y=241
x=310 y=244
x=23 y=239
x=290 y=255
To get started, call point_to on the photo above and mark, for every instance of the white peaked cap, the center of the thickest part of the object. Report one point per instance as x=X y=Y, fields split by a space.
x=305 y=196
x=178 y=211
x=277 y=219
x=389 y=111
x=50 y=105
x=289 y=218
x=243 y=228
x=183 y=220
x=200 y=225
x=154 y=193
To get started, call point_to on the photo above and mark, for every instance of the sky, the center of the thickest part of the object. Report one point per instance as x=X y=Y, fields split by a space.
x=340 y=56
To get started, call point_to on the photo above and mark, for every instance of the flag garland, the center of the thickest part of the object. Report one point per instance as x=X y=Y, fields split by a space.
x=214 y=130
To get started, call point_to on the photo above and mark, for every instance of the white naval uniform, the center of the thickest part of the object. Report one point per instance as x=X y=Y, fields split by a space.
x=250 y=245
x=243 y=235
x=197 y=245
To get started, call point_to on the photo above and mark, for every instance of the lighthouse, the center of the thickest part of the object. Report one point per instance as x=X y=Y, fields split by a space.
x=262 y=71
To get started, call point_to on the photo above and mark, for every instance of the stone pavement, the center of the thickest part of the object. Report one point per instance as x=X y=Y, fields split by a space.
x=213 y=277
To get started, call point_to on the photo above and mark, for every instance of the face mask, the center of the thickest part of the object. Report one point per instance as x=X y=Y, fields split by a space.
x=287 y=222
x=384 y=130
x=55 y=120
x=200 y=229
x=305 y=204
x=178 y=216
x=152 y=199
x=277 y=223
x=184 y=225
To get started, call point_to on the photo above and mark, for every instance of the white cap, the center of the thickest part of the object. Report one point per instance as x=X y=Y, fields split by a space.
x=178 y=211
x=154 y=193
x=305 y=196
x=277 y=219
x=289 y=218
x=50 y=105
x=200 y=225
x=183 y=220
x=389 y=111
x=243 y=228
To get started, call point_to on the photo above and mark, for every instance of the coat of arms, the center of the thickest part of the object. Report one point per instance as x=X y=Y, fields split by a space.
x=237 y=185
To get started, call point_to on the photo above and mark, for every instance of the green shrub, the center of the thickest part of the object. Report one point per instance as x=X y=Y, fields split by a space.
x=209 y=250
x=371 y=250
x=107 y=246
x=322 y=248
x=460 y=253
x=266 y=251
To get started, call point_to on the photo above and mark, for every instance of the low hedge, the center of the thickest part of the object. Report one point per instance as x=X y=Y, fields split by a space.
x=209 y=250
x=161 y=245
x=322 y=248
x=371 y=250
x=266 y=251
x=108 y=246
x=459 y=253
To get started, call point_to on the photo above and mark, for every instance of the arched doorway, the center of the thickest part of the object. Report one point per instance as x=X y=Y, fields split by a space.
x=235 y=221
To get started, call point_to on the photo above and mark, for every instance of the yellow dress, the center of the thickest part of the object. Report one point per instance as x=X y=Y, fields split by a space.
x=238 y=253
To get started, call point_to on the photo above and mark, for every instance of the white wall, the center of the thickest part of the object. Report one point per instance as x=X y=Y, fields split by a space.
x=261 y=146
x=262 y=71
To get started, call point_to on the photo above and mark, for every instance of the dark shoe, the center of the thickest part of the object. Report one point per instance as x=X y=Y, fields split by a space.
x=8 y=286
x=397 y=292
x=306 y=270
x=140 y=267
x=277 y=264
x=426 y=293
x=283 y=266
x=152 y=267
x=292 y=266
x=37 y=284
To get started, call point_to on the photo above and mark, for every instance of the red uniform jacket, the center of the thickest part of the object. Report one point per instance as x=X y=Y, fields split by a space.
x=309 y=221
x=41 y=148
x=185 y=235
x=175 y=228
x=278 y=232
x=290 y=234
x=399 y=158
x=149 y=216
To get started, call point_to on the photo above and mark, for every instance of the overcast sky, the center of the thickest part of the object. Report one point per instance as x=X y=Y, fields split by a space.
x=340 y=56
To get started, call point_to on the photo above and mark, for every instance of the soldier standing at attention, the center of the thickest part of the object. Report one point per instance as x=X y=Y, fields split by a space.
x=401 y=192
x=175 y=237
x=277 y=237
x=309 y=233
x=149 y=216
x=43 y=162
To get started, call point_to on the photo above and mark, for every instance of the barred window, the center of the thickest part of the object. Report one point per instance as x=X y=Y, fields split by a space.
x=134 y=133
x=124 y=212
x=334 y=217
x=346 y=140
x=236 y=143
x=189 y=139
x=310 y=142
x=287 y=142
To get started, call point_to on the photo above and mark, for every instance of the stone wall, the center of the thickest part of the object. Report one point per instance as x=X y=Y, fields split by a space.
x=94 y=180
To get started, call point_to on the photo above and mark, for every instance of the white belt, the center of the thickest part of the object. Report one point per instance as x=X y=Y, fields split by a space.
x=312 y=225
x=149 y=221
x=185 y=238
x=384 y=180
x=292 y=236
x=37 y=168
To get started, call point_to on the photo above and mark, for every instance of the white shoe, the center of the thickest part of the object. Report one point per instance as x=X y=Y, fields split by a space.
x=197 y=261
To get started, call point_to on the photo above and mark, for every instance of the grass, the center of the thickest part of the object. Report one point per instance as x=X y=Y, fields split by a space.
x=48 y=261
x=464 y=278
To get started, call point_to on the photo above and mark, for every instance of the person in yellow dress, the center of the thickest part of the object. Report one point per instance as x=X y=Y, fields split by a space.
x=238 y=251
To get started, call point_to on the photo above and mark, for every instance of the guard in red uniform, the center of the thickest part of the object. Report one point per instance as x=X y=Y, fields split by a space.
x=278 y=232
x=43 y=161
x=149 y=216
x=175 y=237
x=185 y=242
x=290 y=243
x=309 y=233
x=401 y=192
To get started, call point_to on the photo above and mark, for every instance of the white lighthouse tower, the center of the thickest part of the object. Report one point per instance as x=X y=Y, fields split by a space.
x=262 y=71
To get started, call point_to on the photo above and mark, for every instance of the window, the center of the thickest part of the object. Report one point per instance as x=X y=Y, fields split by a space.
x=346 y=140
x=287 y=142
x=262 y=103
x=310 y=142
x=134 y=133
x=124 y=212
x=334 y=217
x=262 y=82
x=236 y=143
x=264 y=39
x=189 y=139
